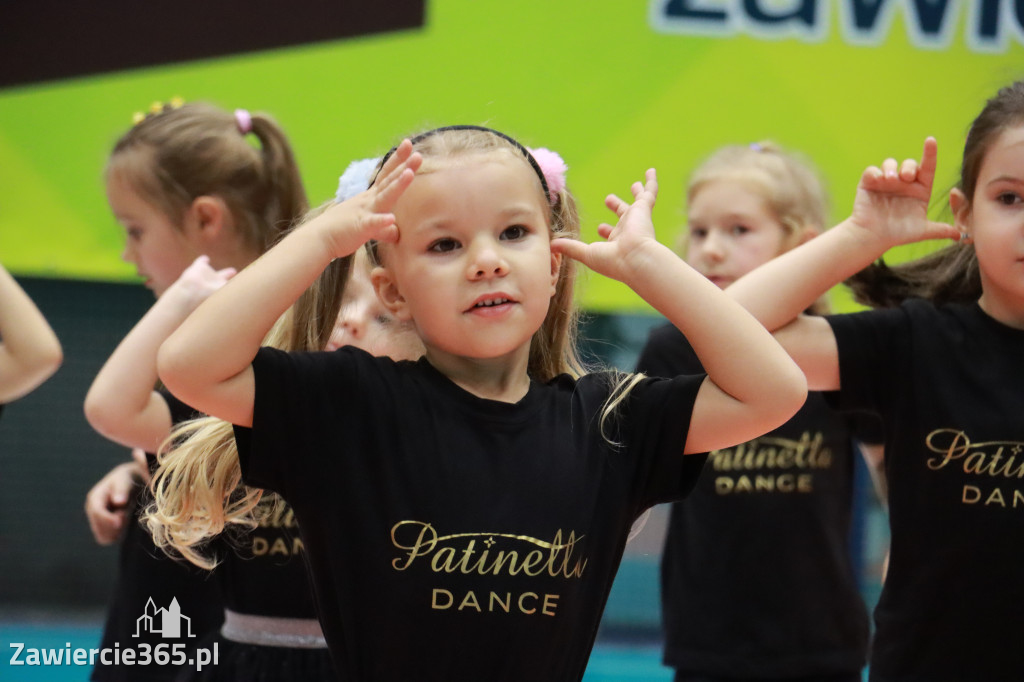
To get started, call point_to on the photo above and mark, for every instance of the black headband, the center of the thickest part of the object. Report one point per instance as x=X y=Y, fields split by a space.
x=526 y=152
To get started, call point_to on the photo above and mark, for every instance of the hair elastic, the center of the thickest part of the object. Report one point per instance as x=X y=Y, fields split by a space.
x=244 y=121
x=355 y=179
x=525 y=152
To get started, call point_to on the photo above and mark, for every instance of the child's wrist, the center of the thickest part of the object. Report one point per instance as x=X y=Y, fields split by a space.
x=863 y=239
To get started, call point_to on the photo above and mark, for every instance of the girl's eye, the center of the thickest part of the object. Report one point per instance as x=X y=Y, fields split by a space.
x=514 y=232
x=740 y=230
x=133 y=233
x=698 y=232
x=443 y=245
x=1008 y=198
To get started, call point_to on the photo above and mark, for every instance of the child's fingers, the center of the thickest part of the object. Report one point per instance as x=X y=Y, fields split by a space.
x=388 y=194
x=617 y=205
x=401 y=154
x=390 y=173
x=889 y=167
x=937 y=230
x=908 y=170
x=573 y=248
x=929 y=161
x=604 y=230
x=227 y=273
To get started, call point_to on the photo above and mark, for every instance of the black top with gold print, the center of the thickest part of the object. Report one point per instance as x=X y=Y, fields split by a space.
x=756 y=575
x=949 y=383
x=451 y=537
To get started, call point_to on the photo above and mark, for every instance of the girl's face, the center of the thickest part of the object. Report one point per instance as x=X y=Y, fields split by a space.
x=158 y=249
x=473 y=267
x=732 y=231
x=365 y=323
x=995 y=219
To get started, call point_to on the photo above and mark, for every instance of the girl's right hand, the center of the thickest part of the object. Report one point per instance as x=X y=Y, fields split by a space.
x=367 y=215
x=892 y=201
x=198 y=282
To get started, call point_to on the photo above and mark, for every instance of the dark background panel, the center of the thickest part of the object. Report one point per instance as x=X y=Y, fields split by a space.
x=42 y=40
x=50 y=457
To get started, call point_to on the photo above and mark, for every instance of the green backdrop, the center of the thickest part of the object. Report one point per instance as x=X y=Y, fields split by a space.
x=611 y=84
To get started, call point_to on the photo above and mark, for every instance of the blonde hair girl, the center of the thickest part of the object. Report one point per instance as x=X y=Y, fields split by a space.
x=800 y=616
x=470 y=496
x=201 y=192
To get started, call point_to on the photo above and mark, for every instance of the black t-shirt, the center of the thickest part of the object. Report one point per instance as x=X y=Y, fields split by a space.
x=451 y=537
x=262 y=571
x=146 y=574
x=949 y=383
x=756 y=575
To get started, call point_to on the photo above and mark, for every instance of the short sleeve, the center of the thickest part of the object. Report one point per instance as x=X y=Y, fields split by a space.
x=296 y=398
x=872 y=354
x=659 y=413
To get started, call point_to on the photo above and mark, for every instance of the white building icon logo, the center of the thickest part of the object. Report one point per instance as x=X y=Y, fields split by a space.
x=165 y=622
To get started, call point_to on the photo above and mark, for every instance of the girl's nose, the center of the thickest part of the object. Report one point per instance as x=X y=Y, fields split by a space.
x=713 y=249
x=353 y=322
x=486 y=262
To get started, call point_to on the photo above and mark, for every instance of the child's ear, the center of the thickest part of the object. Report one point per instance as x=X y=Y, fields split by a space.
x=807 y=233
x=556 y=269
x=208 y=216
x=961 y=210
x=387 y=291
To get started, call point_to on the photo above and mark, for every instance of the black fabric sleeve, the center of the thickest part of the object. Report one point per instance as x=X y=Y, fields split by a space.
x=869 y=345
x=660 y=412
x=292 y=405
x=668 y=354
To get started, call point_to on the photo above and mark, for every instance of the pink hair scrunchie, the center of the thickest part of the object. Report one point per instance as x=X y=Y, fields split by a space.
x=553 y=168
x=244 y=120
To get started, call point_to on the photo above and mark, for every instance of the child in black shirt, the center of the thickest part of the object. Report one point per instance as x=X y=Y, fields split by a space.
x=464 y=514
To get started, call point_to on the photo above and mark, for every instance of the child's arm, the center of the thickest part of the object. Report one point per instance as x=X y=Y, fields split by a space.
x=207 y=362
x=890 y=209
x=121 y=403
x=752 y=384
x=107 y=501
x=29 y=350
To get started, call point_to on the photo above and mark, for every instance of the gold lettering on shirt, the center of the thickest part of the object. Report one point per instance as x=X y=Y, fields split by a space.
x=994 y=463
x=461 y=553
x=771 y=465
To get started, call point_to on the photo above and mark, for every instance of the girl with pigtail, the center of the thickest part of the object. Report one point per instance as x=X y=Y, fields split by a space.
x=200 y=192
x=464 y=515
x=942 y=361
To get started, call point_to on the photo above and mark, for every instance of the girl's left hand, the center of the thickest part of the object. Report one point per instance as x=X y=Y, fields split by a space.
x=619 y=253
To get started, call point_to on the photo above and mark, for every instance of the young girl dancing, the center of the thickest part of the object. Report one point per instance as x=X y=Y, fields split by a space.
x=464 y=515
x=184 y=181
x=779 y=599
x=29 y=350
x=944 y=367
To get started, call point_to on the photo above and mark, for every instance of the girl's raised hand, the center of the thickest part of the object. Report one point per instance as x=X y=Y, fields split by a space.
x=892 y=201
x=368 y=214
x=614 y=256
x=199 y=281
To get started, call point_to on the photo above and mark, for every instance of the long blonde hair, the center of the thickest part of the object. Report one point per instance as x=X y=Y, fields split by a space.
x=197 y=489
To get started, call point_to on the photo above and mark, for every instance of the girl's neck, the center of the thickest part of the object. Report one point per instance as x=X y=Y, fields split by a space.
x=504 y=379
x=1002 y=309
